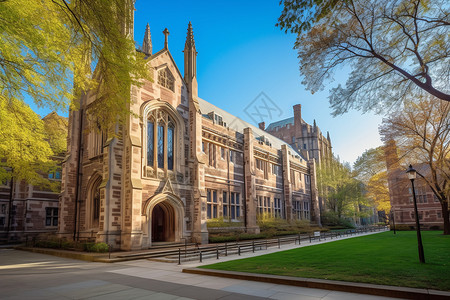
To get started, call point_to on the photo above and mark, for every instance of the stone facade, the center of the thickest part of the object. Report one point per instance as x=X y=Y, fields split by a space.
x=304 y=138
x=181 y=162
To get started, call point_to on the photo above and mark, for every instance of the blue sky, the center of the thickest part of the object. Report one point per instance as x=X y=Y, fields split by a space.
x=241 y=54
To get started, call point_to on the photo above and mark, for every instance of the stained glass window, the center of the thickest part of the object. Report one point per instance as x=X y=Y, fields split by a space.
x=150 y=143
x=170 y=137
x=160 y=146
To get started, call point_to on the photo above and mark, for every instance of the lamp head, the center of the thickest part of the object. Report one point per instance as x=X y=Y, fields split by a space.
x=411 y=173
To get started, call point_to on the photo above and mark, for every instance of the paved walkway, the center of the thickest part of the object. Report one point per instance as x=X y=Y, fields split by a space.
x=25 y=275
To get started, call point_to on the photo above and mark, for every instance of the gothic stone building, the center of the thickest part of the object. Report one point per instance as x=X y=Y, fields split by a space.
x=304 y=138
x=181 y=162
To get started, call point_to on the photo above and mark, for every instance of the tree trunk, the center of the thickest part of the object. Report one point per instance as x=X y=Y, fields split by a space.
x=445 y=215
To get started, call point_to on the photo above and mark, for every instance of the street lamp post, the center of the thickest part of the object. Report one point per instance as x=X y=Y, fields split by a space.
x=393 y=219
x=412 y=175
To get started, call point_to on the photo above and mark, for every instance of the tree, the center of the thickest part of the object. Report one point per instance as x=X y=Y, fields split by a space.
x=370 y=163
x=396 y=49
x=343 y=194
x=370 y=168
x=53 y=52
x=378 y=190
x=422 y=133
x=24 y=151
x=50 y=47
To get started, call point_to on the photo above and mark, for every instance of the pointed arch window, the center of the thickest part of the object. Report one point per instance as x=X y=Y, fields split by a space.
x=161 y=131
x=170 y=136
x=150 y=142
x=161 y=145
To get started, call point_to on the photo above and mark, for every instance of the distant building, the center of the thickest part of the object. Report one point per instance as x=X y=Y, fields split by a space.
x=28 y=210
x=400 y=191
x=303 y=137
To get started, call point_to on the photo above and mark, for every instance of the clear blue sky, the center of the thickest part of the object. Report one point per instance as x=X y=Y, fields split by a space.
x=241 y=54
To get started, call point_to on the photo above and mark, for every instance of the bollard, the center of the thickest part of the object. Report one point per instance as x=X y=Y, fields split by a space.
x=200 y=256
x=253 y=246
x=239 y=250
x=179 y=256
x=109 y=250
x=299 y=239
x=217 y=252
x=278 y=243
x=226 y=250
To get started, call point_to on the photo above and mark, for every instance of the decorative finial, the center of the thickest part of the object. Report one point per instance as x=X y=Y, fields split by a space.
x=147 y=44
x=315 y=123
x=166 y=38
x=328 y=136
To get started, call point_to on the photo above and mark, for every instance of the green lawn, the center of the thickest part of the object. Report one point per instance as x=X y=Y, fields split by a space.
x=382 y=258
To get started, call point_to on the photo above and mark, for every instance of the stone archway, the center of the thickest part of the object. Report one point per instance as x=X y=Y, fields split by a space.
x=164 y=219
x=163 y=223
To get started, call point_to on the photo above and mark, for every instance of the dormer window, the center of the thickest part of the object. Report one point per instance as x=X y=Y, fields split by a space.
x=166 y=79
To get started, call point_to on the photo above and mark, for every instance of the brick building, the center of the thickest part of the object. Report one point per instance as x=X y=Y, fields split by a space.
x=181 y=162
x=26 y=209
x=401 y=197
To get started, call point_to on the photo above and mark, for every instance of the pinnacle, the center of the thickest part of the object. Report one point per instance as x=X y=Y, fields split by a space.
x=190 y=43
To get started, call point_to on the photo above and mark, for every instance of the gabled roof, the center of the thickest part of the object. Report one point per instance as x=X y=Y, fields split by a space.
x=281 y=123
x=239 y=125
x=162 y=51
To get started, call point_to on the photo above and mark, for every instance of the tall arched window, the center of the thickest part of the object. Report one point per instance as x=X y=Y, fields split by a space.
x=160 y=140
x=160 y=145
x=170 y=136
x=150 y=142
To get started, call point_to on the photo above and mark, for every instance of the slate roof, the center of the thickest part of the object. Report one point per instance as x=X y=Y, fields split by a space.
x=238 y=124
x=281 y=123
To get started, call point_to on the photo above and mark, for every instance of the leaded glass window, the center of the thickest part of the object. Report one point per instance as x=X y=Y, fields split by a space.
x=161 y=137
x=160 y=146
x=170 y=136
x=166 y=79
x=150 y=142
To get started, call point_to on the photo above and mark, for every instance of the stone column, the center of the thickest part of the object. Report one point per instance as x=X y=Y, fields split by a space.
x=249 y=177
x=287 y=189
x=197 y=165
x=315 y=210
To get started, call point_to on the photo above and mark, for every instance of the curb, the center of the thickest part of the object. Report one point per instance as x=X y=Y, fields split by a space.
x=342 y=286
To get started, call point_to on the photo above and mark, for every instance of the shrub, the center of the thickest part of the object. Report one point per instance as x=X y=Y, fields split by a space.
x=402 y=227
x=221 y=222
x=97 y=247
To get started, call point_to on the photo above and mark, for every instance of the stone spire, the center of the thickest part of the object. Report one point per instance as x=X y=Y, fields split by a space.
x=147 y=44
x=190 y=57
x=328 y=136
x=166 y=38
x=314 y=124
x=190 y=43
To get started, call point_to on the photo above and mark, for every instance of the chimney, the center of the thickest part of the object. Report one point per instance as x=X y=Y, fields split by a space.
x=262 y=125
x=298 y=120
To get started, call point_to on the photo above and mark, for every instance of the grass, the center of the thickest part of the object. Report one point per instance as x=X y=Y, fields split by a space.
x=382 y=258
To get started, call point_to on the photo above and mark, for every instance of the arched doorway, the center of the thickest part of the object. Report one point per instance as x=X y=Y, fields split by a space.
x=163 y=222
x=92 y=217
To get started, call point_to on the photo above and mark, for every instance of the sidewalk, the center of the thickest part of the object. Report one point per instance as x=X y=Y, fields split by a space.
x=273 y=287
